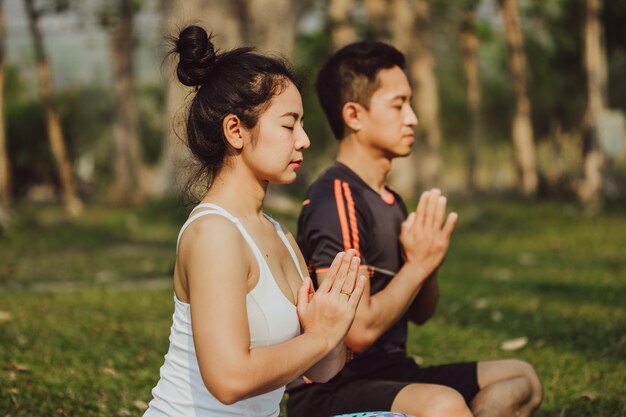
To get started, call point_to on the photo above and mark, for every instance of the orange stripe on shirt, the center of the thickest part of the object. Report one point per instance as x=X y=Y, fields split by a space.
x=352 y=216
x=341 y=209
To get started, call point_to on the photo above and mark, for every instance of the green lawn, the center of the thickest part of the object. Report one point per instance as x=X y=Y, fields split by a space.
x=543 y=271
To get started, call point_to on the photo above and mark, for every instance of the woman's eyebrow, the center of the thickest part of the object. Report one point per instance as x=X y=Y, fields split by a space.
x=292 y=114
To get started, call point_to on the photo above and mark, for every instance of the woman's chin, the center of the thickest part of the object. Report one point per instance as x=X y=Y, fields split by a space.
x=285 y=179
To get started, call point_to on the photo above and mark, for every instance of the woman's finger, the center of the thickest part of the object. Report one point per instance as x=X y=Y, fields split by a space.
x=342 y=272
x=327 y=283
x=303 y=294
x=353 y=271
x=355 y=298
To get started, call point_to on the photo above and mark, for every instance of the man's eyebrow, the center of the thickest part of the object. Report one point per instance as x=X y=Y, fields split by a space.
x=402 y=97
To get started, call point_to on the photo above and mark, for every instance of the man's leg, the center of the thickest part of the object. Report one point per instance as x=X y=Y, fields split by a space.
x=507 y=388
x=429 y=400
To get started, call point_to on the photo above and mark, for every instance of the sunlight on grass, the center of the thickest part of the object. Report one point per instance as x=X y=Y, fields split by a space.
x=545 y=272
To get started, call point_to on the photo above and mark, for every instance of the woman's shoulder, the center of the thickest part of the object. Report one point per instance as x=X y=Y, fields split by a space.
x=211 y=230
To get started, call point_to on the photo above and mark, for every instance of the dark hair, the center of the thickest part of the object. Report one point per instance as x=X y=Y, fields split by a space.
x=350 y=75
x=239 y=82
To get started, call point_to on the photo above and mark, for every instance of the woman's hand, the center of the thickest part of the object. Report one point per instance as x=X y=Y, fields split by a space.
x=329 y=311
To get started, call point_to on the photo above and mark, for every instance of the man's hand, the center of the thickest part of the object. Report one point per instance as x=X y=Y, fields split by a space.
x=424 y=236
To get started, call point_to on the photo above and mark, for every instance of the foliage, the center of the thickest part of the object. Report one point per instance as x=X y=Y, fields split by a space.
x=547 y=272
x=87 y=114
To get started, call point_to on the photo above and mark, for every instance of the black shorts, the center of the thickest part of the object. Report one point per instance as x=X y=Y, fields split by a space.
x=375 y=383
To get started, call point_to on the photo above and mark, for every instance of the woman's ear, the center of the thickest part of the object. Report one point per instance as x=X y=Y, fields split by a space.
x=352 y=114
x=234 y=131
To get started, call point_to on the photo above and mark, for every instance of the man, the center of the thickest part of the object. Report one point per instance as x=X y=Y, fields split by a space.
x=366 y=97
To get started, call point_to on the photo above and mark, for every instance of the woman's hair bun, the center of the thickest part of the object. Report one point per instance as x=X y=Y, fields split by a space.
x=197 y=55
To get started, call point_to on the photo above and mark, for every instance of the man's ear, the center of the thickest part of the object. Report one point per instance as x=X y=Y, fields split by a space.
x=352 y=114
x=234 y=131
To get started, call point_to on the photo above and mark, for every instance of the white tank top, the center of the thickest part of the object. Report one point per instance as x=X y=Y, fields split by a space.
x=272 y=319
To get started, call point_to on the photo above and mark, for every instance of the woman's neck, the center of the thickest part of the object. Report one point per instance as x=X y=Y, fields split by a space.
x=237 y=191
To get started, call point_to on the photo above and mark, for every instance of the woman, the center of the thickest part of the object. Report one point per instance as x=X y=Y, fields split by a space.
x=246 y=319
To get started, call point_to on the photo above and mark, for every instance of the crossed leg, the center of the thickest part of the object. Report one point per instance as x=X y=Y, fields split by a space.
x=508 y=388
x=430 y=400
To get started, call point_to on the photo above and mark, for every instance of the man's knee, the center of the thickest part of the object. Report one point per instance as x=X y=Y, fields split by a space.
x=533 y=383
x=434 y=401
x=448 y=403
x=529 y=372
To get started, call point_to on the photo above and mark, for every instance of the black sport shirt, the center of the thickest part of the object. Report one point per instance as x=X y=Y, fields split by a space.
x=342 y=212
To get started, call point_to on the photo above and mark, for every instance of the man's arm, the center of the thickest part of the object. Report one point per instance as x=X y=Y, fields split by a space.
x=425 y=240
x=424 y=305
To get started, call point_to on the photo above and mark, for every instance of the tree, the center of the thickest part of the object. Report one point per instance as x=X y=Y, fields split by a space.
x=469 y=46
x=426 y=96
x=5 y=180
x=523 y=140
x=72 y=202
x=342 y=30
x=220 y=17
x=127 y=187
x=268 y=25
x=590 y=190
x=406 y=24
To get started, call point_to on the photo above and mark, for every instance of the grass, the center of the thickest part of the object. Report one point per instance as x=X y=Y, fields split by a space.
x=544 y=271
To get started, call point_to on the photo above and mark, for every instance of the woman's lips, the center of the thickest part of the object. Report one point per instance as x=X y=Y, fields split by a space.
x=296 y=164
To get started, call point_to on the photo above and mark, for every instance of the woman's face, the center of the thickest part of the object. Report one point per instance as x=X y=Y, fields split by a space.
x=275 y=153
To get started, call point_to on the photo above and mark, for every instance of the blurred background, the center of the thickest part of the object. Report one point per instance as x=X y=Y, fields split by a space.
x=521 y=108
x=524 y=97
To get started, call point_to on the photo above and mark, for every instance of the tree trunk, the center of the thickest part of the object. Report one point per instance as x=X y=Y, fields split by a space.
x=127 y=187
x=270 y=25
x=426 y=97
x=73 y=204
x=342 y=30
x=221 y=18
x=590 y=191
x=406 y=25
x=379 y=16
x=469 y=46
x=5 y=178
x=523 y=141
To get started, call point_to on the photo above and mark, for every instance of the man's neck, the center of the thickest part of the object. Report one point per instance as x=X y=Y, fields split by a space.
x=370 y=165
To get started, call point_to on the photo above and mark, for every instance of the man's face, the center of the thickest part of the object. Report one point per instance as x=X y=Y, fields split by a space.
x=388 y=123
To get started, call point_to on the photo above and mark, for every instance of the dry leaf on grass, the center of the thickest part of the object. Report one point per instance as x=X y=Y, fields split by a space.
x=20 y=367
x=514 y=344
x=142 y=406
x=588 y=395
x=5 y=316
x=481 y=303
x=109 y=371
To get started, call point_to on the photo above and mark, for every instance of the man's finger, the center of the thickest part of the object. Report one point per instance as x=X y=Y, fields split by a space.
x=431 y=208
x=421 y=209
x=448 y=228
x=410 y=220
x=440 y=212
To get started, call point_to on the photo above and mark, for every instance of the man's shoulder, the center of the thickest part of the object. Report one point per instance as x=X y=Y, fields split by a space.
x=336 y=181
